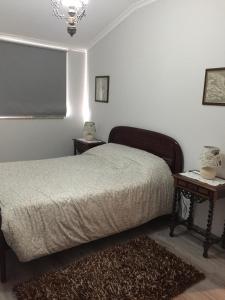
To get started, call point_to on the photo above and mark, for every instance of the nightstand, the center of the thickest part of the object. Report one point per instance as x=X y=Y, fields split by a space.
x=197 y=192
x=81 y=145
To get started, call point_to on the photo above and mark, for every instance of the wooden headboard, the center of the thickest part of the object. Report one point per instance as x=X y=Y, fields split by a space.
x=150 y=141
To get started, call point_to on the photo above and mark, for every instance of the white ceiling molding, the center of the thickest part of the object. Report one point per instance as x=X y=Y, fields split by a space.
x=119 y=20
x=37 y=43
x=102 y=19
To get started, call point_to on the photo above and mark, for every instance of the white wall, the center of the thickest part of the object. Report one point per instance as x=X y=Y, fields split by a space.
x=37 y=139
x=157 y=59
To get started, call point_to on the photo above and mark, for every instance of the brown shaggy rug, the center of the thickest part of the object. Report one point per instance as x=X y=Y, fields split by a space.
x=137 y=270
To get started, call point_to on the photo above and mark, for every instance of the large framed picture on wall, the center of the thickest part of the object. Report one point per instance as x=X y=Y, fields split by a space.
x=214 y=89
x=102 y=89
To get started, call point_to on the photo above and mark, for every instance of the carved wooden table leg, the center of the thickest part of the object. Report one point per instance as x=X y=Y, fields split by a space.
x=209 y=228
x=191 y=210
x=2 y=253
x=223 y=238
x=2 y=266
x=174 y=213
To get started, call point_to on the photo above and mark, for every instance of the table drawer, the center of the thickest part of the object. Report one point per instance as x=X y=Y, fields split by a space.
x=193 y=187
x=203 y=191
x=182 y=183
x=188 y=185
x=82 y=148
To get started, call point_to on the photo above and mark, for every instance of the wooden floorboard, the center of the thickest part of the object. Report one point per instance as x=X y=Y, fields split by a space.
x=184 y=245
x=189 y=248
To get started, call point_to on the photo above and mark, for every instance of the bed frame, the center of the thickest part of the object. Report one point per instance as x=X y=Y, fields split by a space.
x=150 y=141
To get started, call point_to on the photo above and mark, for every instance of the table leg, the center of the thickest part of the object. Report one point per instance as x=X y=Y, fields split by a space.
x=174 y=213
x=223 y=238
x=2 y=266
x=2 y=253
x=75 y=147
x=191 y=209
x=209 y=228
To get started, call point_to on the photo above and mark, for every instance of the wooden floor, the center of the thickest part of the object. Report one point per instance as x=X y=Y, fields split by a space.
x=184 y=245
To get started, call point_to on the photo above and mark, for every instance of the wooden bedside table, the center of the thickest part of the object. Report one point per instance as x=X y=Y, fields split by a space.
x=197 y=192
x=81 y=145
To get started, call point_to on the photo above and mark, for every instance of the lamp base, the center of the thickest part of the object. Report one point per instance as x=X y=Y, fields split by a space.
x=208 y=173
x=89 y=137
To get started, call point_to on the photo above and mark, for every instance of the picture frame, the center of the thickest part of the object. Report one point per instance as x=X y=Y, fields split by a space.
x=214 y=87
x=102 y=89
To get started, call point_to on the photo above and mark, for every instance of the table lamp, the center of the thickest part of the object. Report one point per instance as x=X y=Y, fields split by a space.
x=210 y=161
x=89 y=131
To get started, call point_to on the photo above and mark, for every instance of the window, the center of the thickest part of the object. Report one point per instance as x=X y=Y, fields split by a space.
x=32 y=81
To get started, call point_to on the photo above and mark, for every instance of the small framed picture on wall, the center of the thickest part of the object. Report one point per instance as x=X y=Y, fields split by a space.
x=102 y=89
x=214 y=90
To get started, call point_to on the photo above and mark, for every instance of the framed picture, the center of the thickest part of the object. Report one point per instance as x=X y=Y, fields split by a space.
x=102 y=89
x=214 y=90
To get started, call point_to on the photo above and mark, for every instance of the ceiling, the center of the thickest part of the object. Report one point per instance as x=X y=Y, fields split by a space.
x=33 y=19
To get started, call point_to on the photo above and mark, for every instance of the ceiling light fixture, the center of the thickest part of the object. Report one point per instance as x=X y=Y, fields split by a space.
x=72 y=11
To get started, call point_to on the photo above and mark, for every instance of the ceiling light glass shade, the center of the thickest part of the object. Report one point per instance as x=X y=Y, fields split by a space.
x=72 y=11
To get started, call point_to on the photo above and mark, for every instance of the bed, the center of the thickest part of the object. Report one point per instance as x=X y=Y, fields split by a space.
x=51 y=205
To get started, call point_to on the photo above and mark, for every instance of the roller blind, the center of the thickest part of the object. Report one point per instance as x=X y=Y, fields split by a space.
x=32 y=81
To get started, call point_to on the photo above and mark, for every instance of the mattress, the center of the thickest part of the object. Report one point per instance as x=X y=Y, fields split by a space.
x=51 y=205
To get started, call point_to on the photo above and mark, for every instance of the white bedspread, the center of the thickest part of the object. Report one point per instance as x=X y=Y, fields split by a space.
x=51 y=205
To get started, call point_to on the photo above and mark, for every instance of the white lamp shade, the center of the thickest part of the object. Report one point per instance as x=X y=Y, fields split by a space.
x=89 y=131
x=210 y=157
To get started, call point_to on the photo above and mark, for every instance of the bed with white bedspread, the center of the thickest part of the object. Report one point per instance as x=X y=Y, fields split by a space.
x=50 y=205
x=55 y=204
